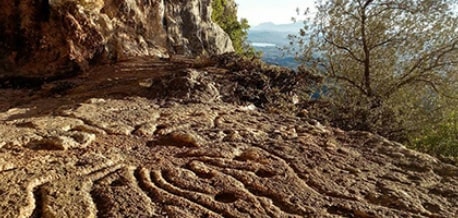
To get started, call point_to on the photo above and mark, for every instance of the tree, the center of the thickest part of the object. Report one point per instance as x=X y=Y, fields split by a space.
x=225 y=15
x=440 y=137
x=387 y=63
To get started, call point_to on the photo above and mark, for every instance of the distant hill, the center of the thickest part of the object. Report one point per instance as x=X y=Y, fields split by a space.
x=270 y=37
x=271 y=27
x=273 y=33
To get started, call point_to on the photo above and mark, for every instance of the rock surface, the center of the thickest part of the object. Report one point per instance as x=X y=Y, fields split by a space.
x=42 y=37
x=109 y=145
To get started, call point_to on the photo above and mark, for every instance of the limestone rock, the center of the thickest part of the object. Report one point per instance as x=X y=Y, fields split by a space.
x=46 y=132
x=109 y=148
x=46 y=37
x=114 y=116
x=189 y=85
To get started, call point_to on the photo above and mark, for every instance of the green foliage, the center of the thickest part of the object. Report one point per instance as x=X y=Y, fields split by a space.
x=440 y=138
x=225 y=15
x=388 y=64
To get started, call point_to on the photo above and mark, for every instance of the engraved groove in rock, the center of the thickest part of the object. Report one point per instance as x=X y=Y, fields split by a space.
x=163 y=197
x=265 y=173
x=388 y=201
x=100 y=173
x=117 y=194
x=8 y=170
x=202 y=172
x=201 y=199
x=226 y=197
x=258 y=188
x=38 y=197
x=346 y=212
x=290 y=168
x=181 y=178
x=260 y=191
x=219 y=177
x=101 y=203
x=333 y=194
x=32 y=203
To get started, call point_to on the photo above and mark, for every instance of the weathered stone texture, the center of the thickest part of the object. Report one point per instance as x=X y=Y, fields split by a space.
x=109 y=148
x=48 y=36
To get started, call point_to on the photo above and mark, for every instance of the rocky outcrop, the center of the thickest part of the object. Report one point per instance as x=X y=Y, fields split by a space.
x=109 y=145
x=180 y=137
x=45 y=37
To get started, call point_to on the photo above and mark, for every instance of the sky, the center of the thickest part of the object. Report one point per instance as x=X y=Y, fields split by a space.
x=276 y=11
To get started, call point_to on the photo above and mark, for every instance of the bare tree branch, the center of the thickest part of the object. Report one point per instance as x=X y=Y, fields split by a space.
x=353 y=55
x=367 y=52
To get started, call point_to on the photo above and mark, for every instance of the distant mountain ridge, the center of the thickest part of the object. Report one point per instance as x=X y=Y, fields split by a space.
x=277 y=36
x=273 y=33
x=272 y=27
x=271 y=37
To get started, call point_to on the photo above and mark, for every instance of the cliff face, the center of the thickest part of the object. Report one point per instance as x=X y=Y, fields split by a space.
x=48 y=36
